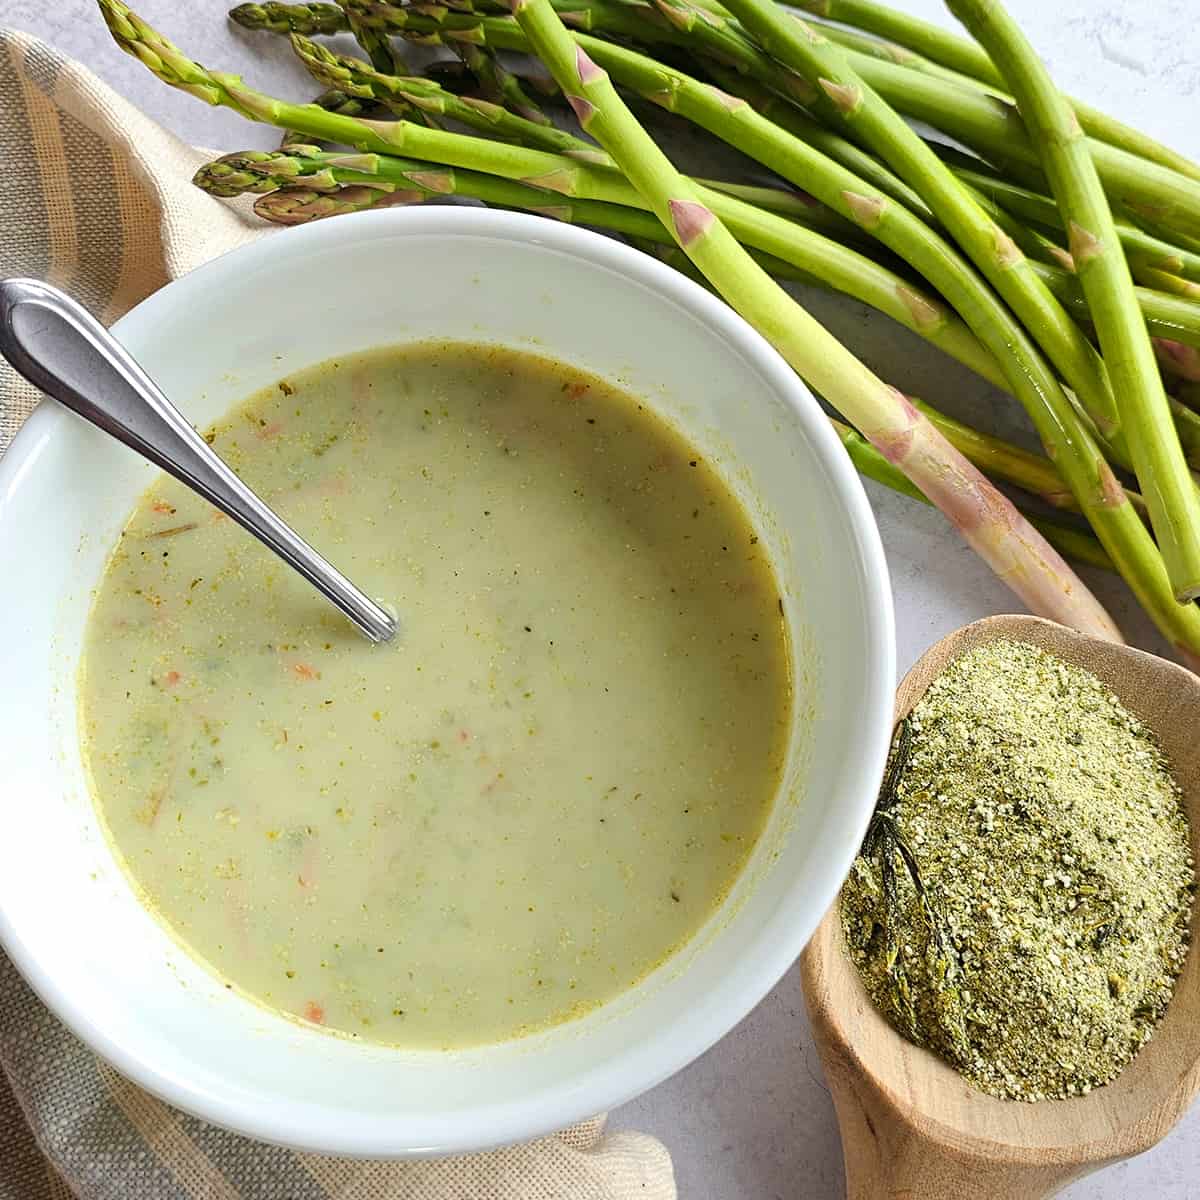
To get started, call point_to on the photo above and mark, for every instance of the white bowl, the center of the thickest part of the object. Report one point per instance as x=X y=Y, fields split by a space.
x=68 y=915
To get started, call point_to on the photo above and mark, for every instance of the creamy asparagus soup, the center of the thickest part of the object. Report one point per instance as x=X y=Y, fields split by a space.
x=515 y=811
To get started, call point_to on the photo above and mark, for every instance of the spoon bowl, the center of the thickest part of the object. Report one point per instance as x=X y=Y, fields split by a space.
x=911 y=1125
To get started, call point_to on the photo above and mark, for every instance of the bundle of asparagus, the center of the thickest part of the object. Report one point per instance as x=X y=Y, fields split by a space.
x=1057 y=256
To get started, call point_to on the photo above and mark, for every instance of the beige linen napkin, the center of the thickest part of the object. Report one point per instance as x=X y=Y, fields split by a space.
x=70 y=1126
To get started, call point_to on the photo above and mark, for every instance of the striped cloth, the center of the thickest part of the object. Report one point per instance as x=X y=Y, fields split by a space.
x=70 y=1126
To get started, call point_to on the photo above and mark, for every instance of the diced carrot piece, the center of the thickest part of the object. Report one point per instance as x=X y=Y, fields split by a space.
x=314 y=1012
x=171 y=678
x=304 y=671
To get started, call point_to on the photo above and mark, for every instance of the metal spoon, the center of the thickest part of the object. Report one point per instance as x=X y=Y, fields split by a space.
x=63 y=350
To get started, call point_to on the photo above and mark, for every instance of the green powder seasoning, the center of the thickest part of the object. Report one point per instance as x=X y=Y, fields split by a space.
x=1022 y=901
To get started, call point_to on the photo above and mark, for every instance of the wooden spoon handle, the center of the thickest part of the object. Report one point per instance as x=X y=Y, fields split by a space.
x=886 y=1159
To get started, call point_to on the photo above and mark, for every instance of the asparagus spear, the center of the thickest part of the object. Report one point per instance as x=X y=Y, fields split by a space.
x=1141 y=248
x=498 y=84
x=377 y=45
x=996 y=131
x=1171 y=494
x=1100 y=264
x=332 y=101
x=1074 y=543
x=987 y=520
x=291 y=18
x=1165 y=281
x=968 y=59
x=404 y=93
x=795 y=121
x=802 y=208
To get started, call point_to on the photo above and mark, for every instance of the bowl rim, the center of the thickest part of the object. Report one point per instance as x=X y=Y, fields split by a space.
x=619 y=1079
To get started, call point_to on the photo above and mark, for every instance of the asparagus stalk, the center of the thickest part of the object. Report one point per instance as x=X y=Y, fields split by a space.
x=989 y=522
x=332 y=101
x=795 y=121
x=1100 y=264
x=1141 y=248
x=405 y=93
x=498 y=84
x=996 y=131
x=1030 y=241
x=1165 y=281
x=376 y=45
x=965 y=57
x=1073 y=543
x=1167 y=317
x=1088 y=475
x=1172 y=496
x=291 y=18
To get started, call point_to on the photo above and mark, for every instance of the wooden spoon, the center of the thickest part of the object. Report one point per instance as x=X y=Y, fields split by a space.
x=912 y=1127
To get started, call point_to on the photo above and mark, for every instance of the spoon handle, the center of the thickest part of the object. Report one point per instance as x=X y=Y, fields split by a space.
x=63 y=350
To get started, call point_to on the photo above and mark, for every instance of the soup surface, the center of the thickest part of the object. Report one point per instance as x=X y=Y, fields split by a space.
x=541 y=789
